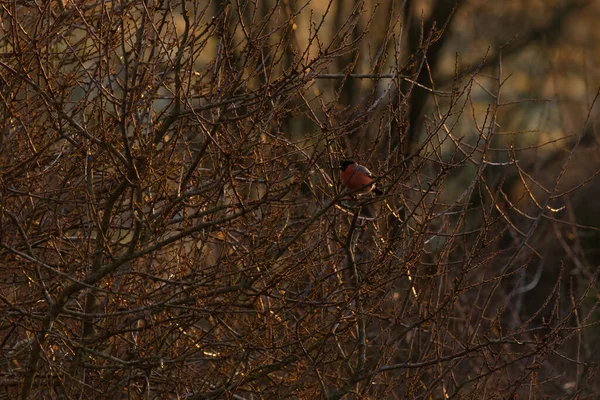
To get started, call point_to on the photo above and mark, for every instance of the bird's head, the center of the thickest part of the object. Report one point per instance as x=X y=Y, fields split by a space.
x=344 y=164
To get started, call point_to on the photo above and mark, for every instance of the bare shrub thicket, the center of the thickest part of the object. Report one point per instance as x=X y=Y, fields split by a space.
x=172 y=223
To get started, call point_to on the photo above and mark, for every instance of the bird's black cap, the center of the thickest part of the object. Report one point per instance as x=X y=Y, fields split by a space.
x=344 y=164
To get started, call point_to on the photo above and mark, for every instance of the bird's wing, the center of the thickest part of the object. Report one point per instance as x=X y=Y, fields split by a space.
x=364 y=170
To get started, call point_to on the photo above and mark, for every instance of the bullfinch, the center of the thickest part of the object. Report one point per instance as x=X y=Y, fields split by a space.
x=355 y=176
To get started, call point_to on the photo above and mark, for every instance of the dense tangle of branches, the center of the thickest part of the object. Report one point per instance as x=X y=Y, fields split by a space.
x=172 y=223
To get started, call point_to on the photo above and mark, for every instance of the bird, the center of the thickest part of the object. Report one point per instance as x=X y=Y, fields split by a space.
x=355 y=176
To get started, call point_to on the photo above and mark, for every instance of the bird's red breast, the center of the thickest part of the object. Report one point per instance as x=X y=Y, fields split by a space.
x=355 y=176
